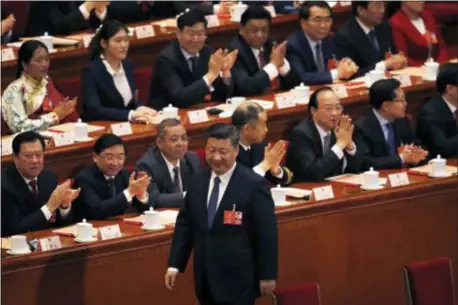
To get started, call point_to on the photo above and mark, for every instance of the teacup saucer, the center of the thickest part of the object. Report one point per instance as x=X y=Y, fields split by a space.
x=153 y=228
x=372 y=188
x=92 y=239
x=445 y=175
x=15 y=253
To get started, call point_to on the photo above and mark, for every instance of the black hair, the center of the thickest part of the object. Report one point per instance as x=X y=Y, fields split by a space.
x=383 y=90
x=27 y=137
x=106 y=31
x=448 y=75
x=107 y=140
x=25 y=53
x=248 y=114
x=313 y=101
x=255 y=12
x=222 y=131
x=164 y=124
x=304 y=12
x=190 y=17
x=355 y=4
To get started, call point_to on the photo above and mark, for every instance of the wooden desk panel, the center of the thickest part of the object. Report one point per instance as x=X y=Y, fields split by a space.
x=354 y=246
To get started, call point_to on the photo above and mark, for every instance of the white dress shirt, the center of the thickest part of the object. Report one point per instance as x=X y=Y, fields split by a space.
x=450 y=105
x=225 y=178
x=335 y=148
x=170 y=167
x=383 y=123
x=257 y=169
x=46 y=212
x=381 y=64
x=270 y=68
x=188 y=57
x=87 y=14
x=419 y=24
x=312 y=44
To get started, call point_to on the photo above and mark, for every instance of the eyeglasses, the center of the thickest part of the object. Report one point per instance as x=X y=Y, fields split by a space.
x=321 y=20
x=330 y=109
x=111 y=158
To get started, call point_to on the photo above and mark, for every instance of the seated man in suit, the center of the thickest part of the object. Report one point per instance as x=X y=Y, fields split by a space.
x=311 y=52
x=64 y=17
x=31 y=197
x=228 y=219
x=187 y=72
x=260 y=66
x=321 y=146
x=367 y=39
x=8 y=21
x=437 y=124
x=251 y=121
x=384 y=134
x=107 y=188
x=169 y=164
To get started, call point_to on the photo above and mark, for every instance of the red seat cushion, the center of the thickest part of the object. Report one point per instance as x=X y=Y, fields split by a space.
x=142 y=80
x=20 y=9
x=70 y=87
x=201 y=154
x=302 y=294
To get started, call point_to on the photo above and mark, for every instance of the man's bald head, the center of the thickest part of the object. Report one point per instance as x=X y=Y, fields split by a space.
x=250 y=119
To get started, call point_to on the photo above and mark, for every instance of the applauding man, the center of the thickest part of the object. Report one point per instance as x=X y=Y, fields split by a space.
x=186 y=72
x=107 y=188
x=260 y=66
x=322 y=145
x=385 y=135
x=251 y=121
x=31 y=198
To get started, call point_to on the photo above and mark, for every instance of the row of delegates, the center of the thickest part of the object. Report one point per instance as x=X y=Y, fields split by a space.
x=108 y=86
x=228 y=222
x=32 y=102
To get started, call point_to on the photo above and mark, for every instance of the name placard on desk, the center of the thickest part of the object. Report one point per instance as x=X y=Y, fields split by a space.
x=197 y=116
x=50 y=243
x=285 y=100
x=110 y=232
x=341 y=91
x=144 y=31
x=323 y=193
x=121 y=129
x=7 y=54
x=404 y=79
x=398 y=179
x=62 y=139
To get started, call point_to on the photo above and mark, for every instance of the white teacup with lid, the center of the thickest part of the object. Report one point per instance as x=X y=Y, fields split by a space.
x=431 y=69
x=170 y=112
x=278 y=195
x=151 y=220
x=370 y=180
x=438 y=167
x=80 y=130
x=302 y=93
x=47 y=41
x=237 y=11
x=84 y=231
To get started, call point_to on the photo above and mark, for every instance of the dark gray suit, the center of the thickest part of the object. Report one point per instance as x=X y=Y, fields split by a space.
x=161 y=188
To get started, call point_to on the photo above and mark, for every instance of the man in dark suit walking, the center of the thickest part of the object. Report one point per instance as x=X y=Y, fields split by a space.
x=228 y=219
x=250 y=119
x=31 y=198
x=437 y=124
x=322 y=146
x=384 y=134
x=186 y=72
x=260 y=66
x=311 y=52
x=107 y=188
x=169 y=164
x=366 y=39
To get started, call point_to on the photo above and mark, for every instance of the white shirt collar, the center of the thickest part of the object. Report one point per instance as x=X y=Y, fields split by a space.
x=244 y=146
x=186 y=55
x=452 y=107
x=363 y=26
x=170 y=166
x=380 y=119
x=108 y=177
x=110 y=70
x=321 y=131
x=256 y=51
x=312 y=42
x=27 y=181
x=224 y=177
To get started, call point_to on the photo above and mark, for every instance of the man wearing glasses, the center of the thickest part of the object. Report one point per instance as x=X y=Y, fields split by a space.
x=107 y=189
x=186 y=72
x=385 y=135
x=322 y=145
x=260 y=67
x=311 y=52
x=169 y=164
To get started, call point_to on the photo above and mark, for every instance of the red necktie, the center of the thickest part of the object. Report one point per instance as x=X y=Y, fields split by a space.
x=274 y=84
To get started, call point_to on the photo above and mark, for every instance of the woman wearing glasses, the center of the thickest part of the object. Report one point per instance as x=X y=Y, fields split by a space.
x=108 y=86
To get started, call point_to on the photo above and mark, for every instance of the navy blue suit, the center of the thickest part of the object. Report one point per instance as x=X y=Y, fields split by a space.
x=302 y=60
x=101 y=98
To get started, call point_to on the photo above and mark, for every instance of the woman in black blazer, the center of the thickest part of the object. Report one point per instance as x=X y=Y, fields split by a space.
x=108 y=86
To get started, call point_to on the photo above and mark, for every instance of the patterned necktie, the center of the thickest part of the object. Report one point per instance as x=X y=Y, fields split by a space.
x=33 y=185
x=373 y=39
x=213 y=202
x=326 y=144
x=112 y=185
x=319 y=58
x=390 y=139
x=176 y=179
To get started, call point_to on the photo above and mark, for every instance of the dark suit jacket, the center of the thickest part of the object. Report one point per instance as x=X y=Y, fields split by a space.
x=352 y=42
x=301 y=58
x=101 y=98
x=233 y=257
x=437 y=128
x=129 y=11
x=412 y=43
x=58 y=18
x=173 y=82
x=255 y=156
x=161 y=187
x=248 y=78
x=305 y=155
x=20 y=212
x=374 y=146
x=95 y=201
x=167 y=9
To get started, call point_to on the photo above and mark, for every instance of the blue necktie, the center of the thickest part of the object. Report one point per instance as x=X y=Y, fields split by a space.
x=373 y=39
x=390 y=139
x=319 y=58
x=213 y=202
